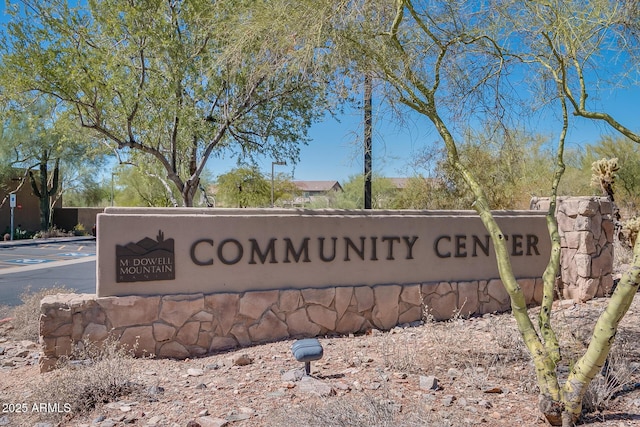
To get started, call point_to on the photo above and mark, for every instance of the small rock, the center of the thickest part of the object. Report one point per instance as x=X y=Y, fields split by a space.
x=157 y=419
x=374 y=386
x=496 y=390
x=242 y=360
x=429 y=382
x=22 y=353
x=194 y=372
x=201 y=386
x=448 y=400
x=203 y=413
x=99 y=419
x=238 y=417
x=208 y=422
x=485 y=404
x=155 y=389
x=4 y=421
x=453 y=373
x=292 y=375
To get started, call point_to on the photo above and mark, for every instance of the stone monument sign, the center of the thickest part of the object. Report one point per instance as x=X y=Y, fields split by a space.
x=182 y=251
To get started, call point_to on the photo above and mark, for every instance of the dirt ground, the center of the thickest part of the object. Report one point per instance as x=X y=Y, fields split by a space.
x=463 y=372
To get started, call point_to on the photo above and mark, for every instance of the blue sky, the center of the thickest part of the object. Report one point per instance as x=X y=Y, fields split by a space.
x=336 y=148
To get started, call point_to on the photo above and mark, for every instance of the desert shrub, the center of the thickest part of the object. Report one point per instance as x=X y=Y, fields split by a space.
x=358 y=411
x=95 y=373
x=52 y=232
x=616 y=377
x=26 y=322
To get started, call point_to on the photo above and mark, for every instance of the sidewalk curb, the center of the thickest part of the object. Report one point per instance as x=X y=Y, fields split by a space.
x=35 y=242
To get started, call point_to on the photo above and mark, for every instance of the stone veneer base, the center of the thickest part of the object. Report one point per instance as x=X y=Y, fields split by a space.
x=183 y=326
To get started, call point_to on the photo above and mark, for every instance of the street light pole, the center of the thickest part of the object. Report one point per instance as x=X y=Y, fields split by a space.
x=272 y=172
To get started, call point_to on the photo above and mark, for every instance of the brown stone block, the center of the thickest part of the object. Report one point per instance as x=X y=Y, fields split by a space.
x=468 y=302
x=173 y=350
x=188 y=333
x=364 y=296
x=323 y=316
x=602 y=265
x=204 y=340
x=323 y=297
x=351 y=322
x=202 y=316
x=270 y=328
x=132 y=310
x=241 y=335
x=299 y=325
x=343 y=299
x=64 y=346
x=163 y=332
x=290 y=300
x=385 y=312
x=588 y=207
x=222 y=343
x=139 y=340
x=78 y=327
x=52 y=318
x=441 y=307
x=62 y=331
x=254 y=304
x=411 y=294
x=48 y=346
x=177 y=309
x=606 y=285
x=409 y=313
x=224 y=308
x=583 y=265
x=586 y=288
x=95 y=332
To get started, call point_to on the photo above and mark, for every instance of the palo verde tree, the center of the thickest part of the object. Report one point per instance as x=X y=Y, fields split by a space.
x=449 y=61
x=40 y=141
x=165 y=79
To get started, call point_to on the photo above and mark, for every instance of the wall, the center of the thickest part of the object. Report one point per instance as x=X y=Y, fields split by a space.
x=182 y=325
x=68 y=218
x=586 y=236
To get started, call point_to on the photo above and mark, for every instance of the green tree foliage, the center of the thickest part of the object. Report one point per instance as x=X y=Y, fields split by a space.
x=42 y=142
x=139 y=186
x=421 y=193
x=166 y=83
x=243 y=187
x=382 y=193
x=247 y=187
x=285 y=190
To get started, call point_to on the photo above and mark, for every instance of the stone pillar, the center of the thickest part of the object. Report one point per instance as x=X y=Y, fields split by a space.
x=586 y=232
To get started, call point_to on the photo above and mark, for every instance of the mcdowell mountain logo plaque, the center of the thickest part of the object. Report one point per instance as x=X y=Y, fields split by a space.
x=146 y=260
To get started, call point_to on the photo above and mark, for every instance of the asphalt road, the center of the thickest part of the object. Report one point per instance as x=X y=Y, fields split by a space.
x=33 y=266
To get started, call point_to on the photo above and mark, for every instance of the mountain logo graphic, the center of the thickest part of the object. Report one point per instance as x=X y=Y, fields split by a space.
x=146 y=260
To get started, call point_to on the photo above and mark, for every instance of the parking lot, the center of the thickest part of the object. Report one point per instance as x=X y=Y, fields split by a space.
x=22 y=254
